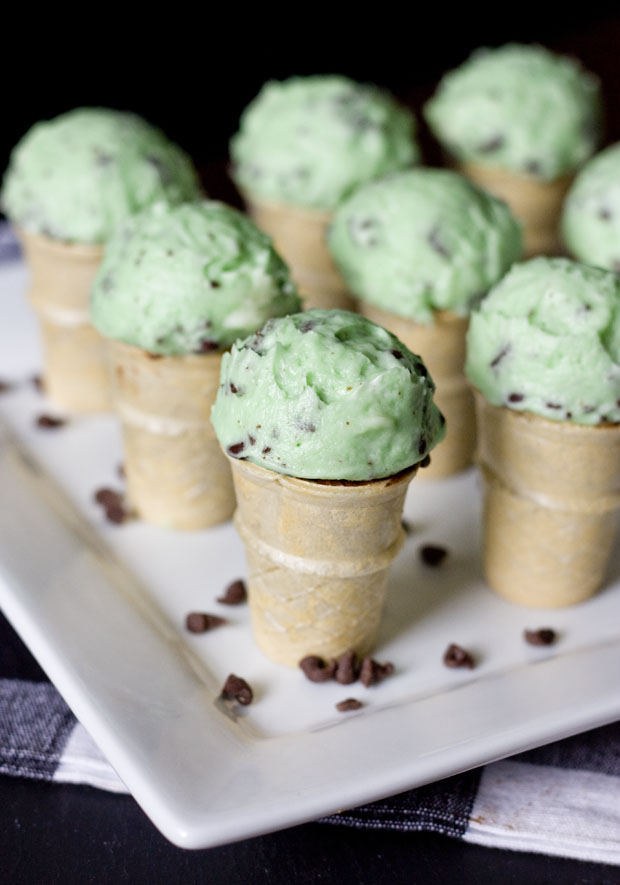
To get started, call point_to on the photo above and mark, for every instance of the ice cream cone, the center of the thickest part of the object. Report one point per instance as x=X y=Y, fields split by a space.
x=74 y=371
x=319 y=555
x=176 y=473
x=552 y=494
x=442 y=347
x=536 y=204
x=299 y=237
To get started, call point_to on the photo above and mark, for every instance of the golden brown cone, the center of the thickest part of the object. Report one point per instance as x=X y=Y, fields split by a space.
x=319 y=555
x=299 y=237
x=552 y=494
x=442 y=347
x=536 y=204
x=61 y=276
x=176 y=473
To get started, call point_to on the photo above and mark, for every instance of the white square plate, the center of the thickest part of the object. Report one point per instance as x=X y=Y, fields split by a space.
x=102 y=608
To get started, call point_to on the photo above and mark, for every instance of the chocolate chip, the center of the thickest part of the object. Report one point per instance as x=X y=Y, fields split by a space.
x=568 y=416
x=266 y=450
x=500 y=356
x=233 y=388
x=49 y=422
x=346 y=668
x=316 y=670
x=433 y=554
x=107 y=496
x=307 y=427
x=425 y=461
x=200 y=622
x=237 y=689
x=348 y=704
x=307 y=326
x=113 y=504
x=372 y=671
x=397 y=353
x=252 y=440
x=116 y=513
x=455 y=656
x=515 y=397
x=214 y=284
x=236 y=448
x=493 y=144
x=543 y=636
x=422 y=445
x=554 y=405
x=436 y=244
x=533 y=167
x=207 y=345
x=234 y=594
x=37 y=383
x=5 y=386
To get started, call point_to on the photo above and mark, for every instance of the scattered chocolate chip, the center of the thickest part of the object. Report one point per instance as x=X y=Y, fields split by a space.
x=515 y=397
x=493 y=144
x=116 y=513
x=113 y=504
x=425 y=461
x=500 y=356
x=346 y=668
x=568 y=416
x=397 y=353
x=433 y=554
x=207 y=345
x=5 y=386
x=237 y=689
x=252 y=440
x=214 y=284
x=455 y=656
x=234 y=594
x=348 y=704
x=233 y=388
x=307 y=326
x=307 y=427
x=49 y=422
x=107 y=496
x=316 y=670
x=236 y=449
x=37 y=383
x=436 y=244
x=372 y=671
x=200 y=622
x=266 y=450
x=543 y=636
x=554 y=405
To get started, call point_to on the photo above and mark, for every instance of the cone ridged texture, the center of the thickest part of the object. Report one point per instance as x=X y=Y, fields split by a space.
x=319 y=556
x=552 y=495
x=177 y=475
x=442 y=347
x=536 y=204
x=74 y=371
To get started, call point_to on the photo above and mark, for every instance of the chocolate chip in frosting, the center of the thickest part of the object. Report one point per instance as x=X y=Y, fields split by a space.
x=515 y=397
x=493 y=144
x=207 y=345
x=500 y=356
x=236 y=449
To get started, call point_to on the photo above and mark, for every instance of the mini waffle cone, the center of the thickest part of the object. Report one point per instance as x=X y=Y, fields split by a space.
x=176 y=473
x=74 y=371
x=552 y=494
x=536 y=204
x=299 y=236
x=319 y=555
x=442 y=347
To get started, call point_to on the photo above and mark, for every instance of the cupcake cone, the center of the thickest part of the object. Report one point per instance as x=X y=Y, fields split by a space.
x=536 y=204
x=299 y=237
x=442 y=347
x=176 y=473
x=552 y=494
x=319 y=555
x=75 y=374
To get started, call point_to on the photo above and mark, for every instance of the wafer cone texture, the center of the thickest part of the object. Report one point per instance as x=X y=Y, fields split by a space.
x=319 y=556
x=536 y=204
x=552 y=495
x=61 y=276
x=177 y=475
x=299 y=237
x=442 y=347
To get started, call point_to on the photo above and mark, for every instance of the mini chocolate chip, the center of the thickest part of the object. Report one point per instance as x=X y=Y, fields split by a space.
x=533 y=167
x=236 y=448
x=425 y=461
x=5 y=386
x=200 y=622
x=554 y=405
x=543 y=636
x=252 y=440
x=436 y=244
x=37 y=383
x=116 y=513
x=346 y=668
x=234 y=594
x=316 y=670
x=568 y=416
x=49 y=422
x=153 y=356
x=372 y=672
x=307 y=427
x=397 y=353
x=493 y=144
x=515 y=397
x=237 y=689
x=500 y=356
x=207 y=345
x=107 y=496
x=233 y=388
x=433 y=554
x=307 y=326
x=348 y=704
x=455 y=656
x=266 y=450
x=214 y=284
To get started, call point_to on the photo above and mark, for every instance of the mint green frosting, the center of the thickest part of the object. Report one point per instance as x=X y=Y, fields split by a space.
x=326 y=394
x=189 y=279
x=76 y=177
x=591 y=217
x=309 y=141
x=423 y=240
x=521 y=108
x=546 y=340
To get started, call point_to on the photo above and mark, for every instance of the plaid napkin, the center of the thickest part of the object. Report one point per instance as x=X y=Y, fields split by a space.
x=562 y=799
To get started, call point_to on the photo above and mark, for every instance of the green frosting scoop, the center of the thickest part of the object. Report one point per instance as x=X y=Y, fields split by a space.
x=326 y=395
x=423 y=240
x=518 y=107
x=308 y=141
x=76 y=177
x=591 y=217
x=546 y=340
x=189 y=279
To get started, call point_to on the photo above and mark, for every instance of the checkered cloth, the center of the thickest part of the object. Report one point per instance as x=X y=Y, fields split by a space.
x=562 y=799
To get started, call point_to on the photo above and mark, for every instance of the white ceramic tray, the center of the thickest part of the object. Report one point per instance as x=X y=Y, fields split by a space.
x=102 y=608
